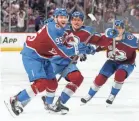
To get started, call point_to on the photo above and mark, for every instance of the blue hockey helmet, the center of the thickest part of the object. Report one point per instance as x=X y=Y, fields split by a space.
x=60 y=12
x=120 y=23
x=78 y=14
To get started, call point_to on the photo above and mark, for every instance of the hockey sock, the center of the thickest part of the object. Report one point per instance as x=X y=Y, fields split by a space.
x=75 y=78
x=98 y=82
x=120 y=76
x=93 y=90
x=23 y=96
x=26 y=95
x=68 y=92
x=114 y=91
x=50 y=91
x=50 y=97
x=64 y=97
x=116 y=88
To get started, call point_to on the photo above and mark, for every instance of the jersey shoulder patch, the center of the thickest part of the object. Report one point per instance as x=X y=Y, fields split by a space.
x=130 y=40
x=129 y=36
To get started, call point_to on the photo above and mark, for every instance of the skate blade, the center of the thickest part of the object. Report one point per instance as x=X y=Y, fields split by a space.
x=8 y=106
x=62 y=112
x=82 y=104
x=108 y=105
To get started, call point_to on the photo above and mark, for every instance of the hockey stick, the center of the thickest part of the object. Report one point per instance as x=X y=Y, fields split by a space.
x=92 y=17
x=113 y=42
x=138 y=42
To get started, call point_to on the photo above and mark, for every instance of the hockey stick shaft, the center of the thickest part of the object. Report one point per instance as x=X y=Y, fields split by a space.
x=137 y=43
x=113 y=42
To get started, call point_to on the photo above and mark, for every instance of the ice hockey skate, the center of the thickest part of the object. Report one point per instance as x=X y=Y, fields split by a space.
x=14 y=106
x=86 y=99
x=110 y=100
x=58 y=107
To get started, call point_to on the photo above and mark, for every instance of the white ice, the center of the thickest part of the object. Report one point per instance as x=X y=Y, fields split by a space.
x=125 y=107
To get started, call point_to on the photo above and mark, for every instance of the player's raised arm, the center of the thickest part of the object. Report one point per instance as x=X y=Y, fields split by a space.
x=121 y=61
x=104 y=40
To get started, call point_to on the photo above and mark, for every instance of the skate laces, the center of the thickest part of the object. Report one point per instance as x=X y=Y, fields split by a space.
x=88 y=97
x=50 y=106
x=17 y=104
x=111 y=97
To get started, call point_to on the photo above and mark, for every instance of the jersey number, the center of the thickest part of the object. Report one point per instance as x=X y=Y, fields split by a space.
x=59 y=40
x=32 y=38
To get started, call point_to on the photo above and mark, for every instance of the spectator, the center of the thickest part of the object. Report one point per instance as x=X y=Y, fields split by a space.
x=21 y=21
x=31 y=23
x=107 y=9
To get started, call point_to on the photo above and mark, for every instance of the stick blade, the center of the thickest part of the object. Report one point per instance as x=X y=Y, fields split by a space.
x=92 y=17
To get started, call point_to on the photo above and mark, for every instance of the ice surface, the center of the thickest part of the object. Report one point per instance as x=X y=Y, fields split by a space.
x=125 y=107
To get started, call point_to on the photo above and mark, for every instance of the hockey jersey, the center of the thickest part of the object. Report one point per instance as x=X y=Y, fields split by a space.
x=47 y=43
x=81 y=35
x=125 y=49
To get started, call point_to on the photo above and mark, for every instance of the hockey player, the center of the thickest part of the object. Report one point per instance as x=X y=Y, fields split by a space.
x=72 y=74
x=121 y=61
x=36 y=54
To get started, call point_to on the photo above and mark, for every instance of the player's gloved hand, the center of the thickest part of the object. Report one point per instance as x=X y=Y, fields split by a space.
x=82 y=48
x=111 y=33
x=83 y=57
x=91 y=49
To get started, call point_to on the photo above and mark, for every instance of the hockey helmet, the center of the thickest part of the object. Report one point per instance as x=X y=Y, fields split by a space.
x=119 y=23
x=60 y=12
x=78 y=14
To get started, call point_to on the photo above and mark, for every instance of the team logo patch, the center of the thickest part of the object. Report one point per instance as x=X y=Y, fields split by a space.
x=110 y=47
x=130 y=37
x=120 y=55
x=72 y=40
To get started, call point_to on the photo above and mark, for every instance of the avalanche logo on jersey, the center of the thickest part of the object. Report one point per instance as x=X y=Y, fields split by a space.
x=73 y=40
x=130 y=37
x=120 y=55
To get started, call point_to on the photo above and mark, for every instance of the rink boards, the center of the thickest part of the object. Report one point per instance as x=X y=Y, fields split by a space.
x=15 y=41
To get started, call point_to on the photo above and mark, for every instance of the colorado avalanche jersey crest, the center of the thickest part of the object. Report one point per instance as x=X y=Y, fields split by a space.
x=125 y=51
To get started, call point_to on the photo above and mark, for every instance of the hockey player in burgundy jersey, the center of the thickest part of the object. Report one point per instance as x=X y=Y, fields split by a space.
x=121 y=60
x=36 y=54
x=72 y=74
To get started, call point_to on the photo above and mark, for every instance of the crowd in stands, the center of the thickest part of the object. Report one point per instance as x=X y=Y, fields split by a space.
x=28 y=15
x=108 y=10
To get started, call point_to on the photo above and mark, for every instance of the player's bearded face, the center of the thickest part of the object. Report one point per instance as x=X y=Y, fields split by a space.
x=62 y=21
x=76 y=23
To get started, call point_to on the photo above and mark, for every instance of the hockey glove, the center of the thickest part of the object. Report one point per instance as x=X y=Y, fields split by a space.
x=83 y=57
x=82 y=48
x=90 y=50
x=111 y=33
